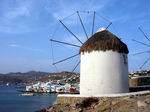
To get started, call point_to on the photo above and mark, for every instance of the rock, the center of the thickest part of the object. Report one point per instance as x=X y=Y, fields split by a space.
x=141 y=104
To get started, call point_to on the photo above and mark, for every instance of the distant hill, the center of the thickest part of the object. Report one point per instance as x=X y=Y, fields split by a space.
x=33 y=73
x=32 y=76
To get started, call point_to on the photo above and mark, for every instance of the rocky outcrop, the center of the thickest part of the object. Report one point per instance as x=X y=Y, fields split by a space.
x=129 y=103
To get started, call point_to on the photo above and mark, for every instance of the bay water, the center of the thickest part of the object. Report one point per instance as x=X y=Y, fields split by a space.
x=11 y=100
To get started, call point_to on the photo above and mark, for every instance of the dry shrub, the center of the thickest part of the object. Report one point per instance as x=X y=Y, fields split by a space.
x=87 y=102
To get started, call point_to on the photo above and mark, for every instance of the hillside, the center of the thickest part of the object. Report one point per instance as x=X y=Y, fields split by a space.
x=32 y=76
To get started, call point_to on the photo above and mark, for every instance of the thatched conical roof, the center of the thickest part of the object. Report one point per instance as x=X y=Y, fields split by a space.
x=104 y=41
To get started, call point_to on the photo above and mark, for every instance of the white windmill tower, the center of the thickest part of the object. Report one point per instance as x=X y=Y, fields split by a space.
x=103 y=61
x=104 y=65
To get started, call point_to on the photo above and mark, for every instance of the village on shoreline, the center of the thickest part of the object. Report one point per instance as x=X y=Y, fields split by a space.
x=67 y=82
x=139 y=80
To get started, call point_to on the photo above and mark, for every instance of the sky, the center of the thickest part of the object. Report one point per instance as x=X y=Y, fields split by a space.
x=26 y=27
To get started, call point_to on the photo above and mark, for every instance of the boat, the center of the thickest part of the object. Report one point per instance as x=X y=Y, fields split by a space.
x=27 y=94
x=7 y=84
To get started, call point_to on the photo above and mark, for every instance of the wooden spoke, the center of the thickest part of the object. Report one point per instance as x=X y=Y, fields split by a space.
x=93 y=22
x=76 y=66
x=64 y=43
x=141 y=43
x=141 y=53
x=82 y=24
x=145 y=63
x=144 y=34
x=65 y=59
x=70 y=31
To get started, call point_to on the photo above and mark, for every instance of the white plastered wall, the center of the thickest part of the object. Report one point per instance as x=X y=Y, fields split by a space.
x=103 y=73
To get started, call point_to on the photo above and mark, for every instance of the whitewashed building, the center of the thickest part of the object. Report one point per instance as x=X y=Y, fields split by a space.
x=104 y=65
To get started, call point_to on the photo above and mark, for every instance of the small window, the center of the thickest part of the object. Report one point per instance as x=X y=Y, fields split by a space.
x=125 y=59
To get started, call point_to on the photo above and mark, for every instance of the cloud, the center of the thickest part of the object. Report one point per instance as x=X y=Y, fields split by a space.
x=64 y=9
x=17 y=12
x=25 y=48
x=17 y=30
x=129 y=17
x=13 y=10
x=13 y=45
x=18 y=16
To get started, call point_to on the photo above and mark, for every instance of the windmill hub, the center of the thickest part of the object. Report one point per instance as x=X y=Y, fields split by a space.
x=101 y=29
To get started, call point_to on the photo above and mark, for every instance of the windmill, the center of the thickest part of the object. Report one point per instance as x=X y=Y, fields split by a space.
x=83 y=18
x=145 y=44
x=103 y=56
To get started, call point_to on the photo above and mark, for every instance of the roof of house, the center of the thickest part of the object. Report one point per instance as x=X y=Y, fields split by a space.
x=104 y=41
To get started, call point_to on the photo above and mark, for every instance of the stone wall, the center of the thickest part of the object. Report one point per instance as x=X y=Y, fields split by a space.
x=139 y=81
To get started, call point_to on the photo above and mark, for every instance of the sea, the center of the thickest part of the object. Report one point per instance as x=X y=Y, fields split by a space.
x=11 y=100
